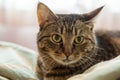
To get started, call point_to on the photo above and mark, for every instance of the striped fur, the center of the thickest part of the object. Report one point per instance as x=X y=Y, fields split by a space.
x=59 y=61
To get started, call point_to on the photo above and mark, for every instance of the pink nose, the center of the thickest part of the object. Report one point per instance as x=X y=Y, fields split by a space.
x=67 y=49
x=67 y=54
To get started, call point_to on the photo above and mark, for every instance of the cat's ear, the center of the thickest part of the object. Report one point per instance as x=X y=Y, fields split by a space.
x=45 y=15
x=89 y=16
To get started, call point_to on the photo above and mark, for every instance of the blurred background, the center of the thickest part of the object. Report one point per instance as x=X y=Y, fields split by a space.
x=18 y=20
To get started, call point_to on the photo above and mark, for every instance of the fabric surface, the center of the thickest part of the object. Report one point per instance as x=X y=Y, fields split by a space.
x=108 y=70
x=16 y=62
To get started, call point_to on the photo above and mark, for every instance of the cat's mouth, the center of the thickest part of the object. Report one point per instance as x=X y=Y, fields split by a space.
x=67 y=60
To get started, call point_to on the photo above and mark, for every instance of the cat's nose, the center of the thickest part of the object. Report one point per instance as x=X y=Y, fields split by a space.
x=67 y=51
x=67 y=55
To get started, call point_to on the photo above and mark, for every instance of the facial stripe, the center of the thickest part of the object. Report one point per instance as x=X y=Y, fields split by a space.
x=40 y=38
x=61 y=30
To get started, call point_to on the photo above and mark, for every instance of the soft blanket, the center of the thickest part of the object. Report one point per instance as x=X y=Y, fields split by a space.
x=108 y=70
x=19 y=63
x=16 y=62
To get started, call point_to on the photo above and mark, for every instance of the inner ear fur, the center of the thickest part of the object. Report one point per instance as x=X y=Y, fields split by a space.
x=45 y=15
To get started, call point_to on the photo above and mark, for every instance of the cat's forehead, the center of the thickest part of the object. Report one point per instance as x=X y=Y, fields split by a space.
x=67 y=24
x=70 y=21
x=70 y=18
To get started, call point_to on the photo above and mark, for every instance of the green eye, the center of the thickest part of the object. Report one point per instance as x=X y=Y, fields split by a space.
x=56 y=38
x=79 y=39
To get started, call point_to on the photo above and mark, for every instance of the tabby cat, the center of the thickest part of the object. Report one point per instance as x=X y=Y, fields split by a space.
x=68 y=45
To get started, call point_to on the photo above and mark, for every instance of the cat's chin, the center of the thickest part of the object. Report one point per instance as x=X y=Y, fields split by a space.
x=66 y=62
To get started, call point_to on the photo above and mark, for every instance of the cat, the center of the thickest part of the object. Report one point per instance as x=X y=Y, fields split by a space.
x=68 y=45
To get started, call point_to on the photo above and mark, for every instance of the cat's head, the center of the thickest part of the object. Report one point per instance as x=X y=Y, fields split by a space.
x=65 y=38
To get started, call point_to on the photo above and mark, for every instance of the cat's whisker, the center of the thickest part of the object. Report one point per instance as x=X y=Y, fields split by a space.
x=99 y=48
x=81 y=63
x=85 y=63
x=91 y=59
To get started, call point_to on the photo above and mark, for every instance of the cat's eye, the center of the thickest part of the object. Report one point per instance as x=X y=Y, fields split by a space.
x=78 y=39
x=56 y=38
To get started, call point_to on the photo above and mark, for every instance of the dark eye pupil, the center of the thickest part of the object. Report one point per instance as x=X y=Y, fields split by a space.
x=57 y=37
x=79 y=38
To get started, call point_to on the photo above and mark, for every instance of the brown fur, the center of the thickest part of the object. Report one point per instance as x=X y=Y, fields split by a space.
x=63 y=59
